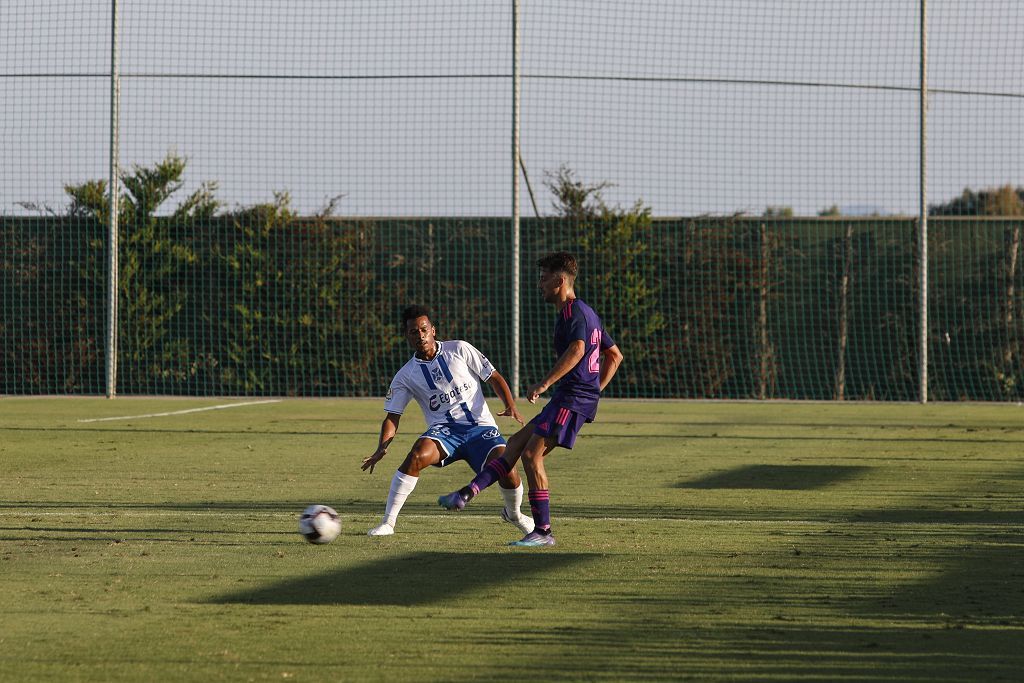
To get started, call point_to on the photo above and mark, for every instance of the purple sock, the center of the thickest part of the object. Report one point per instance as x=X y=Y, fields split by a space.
x=540 y=506
x=492 y=472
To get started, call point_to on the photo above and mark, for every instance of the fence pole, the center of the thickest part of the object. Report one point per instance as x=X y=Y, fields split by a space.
x=112 y=258
x=923 y=208
x=515 y=198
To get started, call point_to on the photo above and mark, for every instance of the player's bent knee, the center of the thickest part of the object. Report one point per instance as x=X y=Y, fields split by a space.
x=415 y=463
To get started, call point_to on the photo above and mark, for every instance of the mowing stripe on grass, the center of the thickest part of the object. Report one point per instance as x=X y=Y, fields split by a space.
x=367 y=518
x=180 y=412
x=93 y=512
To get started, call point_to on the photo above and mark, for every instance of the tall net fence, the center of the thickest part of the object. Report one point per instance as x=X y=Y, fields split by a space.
x=741 y=181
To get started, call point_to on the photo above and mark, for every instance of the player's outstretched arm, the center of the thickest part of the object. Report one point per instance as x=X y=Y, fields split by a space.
x=388 y=429
x=566 y=362
x=611 y=358
x=503 y=391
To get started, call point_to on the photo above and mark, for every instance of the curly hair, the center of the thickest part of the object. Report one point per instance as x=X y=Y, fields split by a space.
x=415 y=311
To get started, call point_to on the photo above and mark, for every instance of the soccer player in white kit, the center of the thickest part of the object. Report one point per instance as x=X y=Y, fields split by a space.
x=446 y=379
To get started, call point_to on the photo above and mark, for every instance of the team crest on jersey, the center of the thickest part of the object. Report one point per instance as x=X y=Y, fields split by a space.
x=391 y=392
x=436 y=374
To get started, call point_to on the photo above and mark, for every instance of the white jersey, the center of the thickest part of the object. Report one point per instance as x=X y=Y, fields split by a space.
x=449 y=387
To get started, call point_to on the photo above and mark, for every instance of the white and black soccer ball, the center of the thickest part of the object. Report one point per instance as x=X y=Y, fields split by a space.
x=319 y=524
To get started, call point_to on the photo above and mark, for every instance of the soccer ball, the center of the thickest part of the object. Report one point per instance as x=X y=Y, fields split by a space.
x=319 y=524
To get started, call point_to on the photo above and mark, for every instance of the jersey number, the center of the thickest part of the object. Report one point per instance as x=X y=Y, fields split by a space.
x=594 y=362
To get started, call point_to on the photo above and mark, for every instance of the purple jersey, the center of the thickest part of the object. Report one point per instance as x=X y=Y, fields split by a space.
x=580 y=389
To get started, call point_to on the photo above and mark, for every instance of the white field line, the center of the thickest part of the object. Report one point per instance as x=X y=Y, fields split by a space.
x=180 y=412
x=79 y=512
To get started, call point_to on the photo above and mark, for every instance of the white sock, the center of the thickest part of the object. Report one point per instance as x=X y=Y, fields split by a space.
x=401 y=486
x=513 y=500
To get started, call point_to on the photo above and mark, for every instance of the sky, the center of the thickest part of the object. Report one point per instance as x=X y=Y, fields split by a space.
x=404 y=108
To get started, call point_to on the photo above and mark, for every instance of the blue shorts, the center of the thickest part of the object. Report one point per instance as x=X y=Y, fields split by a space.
x=560 y=423
x=472 y=443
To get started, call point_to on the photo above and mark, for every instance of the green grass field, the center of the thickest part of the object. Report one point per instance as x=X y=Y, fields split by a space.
x=739 y=541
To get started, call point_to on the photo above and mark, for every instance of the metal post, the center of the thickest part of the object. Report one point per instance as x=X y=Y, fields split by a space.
x=923 y=209
x=515 y=198
x=112 y=258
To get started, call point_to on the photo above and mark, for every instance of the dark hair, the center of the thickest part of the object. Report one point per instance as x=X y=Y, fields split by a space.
x=559 y=262
x=413 y=312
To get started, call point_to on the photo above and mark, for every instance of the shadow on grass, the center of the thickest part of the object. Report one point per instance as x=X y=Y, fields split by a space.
x=782 y=477
x=964 y=624
x=779 y=651
x=979 y=583
x=417 y=579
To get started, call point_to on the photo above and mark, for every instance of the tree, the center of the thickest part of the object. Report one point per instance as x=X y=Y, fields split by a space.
x=294 y=303
x=575 y=200
x=982 y=304
x=1001 y=201
x=151 y=259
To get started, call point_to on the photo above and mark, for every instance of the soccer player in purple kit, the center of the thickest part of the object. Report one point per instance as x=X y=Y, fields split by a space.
x=587 y=360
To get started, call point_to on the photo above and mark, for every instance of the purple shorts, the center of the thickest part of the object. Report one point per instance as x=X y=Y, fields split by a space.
x=560 y=423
